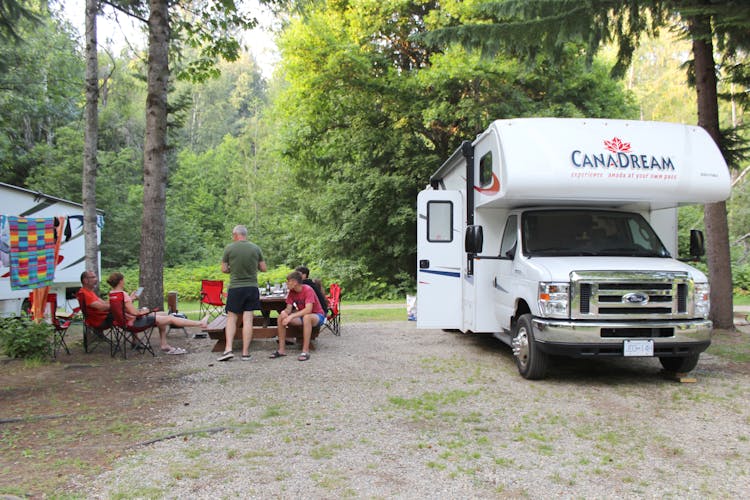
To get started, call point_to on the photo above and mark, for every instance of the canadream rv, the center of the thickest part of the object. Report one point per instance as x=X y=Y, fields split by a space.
x=559 y=237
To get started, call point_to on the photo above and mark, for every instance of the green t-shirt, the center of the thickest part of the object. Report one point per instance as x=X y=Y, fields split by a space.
x=242 y=257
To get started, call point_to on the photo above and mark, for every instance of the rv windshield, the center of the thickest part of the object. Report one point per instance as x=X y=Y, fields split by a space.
x=547 y=233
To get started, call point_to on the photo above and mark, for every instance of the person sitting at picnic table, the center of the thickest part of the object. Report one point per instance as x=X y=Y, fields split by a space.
x=160 y=319
x=309 y=313
x=316 y=285
x=97 y=309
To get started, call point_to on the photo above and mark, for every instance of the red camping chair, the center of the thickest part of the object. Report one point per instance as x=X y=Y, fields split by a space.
x=333 y=318
x=212 y=298
x=61 y=324
x=128 y=333
x=94 y=335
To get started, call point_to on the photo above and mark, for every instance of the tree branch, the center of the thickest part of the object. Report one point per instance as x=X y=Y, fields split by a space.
x=126 y=12
x=741 y=176
x=212 y=430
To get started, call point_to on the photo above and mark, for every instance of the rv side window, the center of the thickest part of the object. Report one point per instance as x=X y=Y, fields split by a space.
x=440 y=221
x=510 y=236
x=485 y=170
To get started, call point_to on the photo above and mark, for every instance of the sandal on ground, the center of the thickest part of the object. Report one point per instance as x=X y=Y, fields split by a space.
x=226 y=356
x=277 y=354
x=174 y=350
x=303 y=357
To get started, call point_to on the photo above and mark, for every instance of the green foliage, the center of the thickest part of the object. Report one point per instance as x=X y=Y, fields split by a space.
x=23 y=338
x=370 y=112
x=186 y=280
x=40 y=90
x=741 y=279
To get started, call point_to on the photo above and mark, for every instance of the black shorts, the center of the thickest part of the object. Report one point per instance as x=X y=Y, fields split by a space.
x=244 y=298
x=144 y=321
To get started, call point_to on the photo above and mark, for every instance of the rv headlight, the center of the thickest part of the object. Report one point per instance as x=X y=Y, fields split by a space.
x=701 y=299
x=553 y=299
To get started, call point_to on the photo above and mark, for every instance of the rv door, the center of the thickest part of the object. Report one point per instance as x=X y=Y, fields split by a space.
x=440 y=256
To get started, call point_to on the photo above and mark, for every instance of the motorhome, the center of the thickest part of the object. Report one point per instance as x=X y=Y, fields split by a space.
x=22 y=202
x=559 y=237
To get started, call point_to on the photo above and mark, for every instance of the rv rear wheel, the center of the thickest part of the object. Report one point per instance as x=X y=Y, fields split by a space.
x=530 y=360
x=681 y=364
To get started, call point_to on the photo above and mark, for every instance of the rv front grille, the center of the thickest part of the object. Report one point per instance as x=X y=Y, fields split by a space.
x=630 y=295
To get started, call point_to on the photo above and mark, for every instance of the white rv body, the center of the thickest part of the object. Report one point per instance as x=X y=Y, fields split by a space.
x=528 y=253
x=26 y=203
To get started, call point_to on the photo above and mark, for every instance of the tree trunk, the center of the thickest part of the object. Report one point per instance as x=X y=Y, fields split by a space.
x=155 y=157
x=714 y=214
x=91 y=139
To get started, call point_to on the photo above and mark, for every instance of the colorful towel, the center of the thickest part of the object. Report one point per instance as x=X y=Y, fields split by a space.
x=32 y=252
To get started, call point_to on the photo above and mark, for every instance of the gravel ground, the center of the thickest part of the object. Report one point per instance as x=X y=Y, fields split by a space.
x=388 y=411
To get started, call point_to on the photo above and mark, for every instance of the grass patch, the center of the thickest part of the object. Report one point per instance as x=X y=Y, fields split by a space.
x=736 y=352
x=428 y=404
x=371 y=315
x=147 y=492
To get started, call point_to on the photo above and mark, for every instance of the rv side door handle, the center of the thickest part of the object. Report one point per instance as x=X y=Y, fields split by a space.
x=494 y=282
x=424 y=264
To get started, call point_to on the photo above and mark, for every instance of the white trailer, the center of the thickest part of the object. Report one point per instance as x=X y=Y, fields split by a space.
x=26 y=203
x=561 y=236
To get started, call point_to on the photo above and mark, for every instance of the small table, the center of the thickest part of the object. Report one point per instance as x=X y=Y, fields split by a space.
x=264 y=326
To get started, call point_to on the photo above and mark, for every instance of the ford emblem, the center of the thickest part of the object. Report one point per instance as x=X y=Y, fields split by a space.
x=635 y=298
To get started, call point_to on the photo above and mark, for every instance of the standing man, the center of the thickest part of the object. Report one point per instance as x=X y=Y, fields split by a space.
x=302 y=308
x=242 y=260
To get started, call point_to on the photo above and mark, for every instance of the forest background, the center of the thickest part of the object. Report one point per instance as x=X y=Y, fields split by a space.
x=321 y=161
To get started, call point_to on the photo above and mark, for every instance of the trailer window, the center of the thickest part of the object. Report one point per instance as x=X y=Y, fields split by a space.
x=485 y=170
x=440 y=221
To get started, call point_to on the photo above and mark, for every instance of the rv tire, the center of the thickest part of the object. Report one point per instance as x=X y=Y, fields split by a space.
x=679 y=364
x=530 y=360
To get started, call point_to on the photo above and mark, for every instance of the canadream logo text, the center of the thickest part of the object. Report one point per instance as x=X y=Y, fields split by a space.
x=619 y=155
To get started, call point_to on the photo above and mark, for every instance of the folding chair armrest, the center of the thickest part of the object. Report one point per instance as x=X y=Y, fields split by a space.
x=146 y=313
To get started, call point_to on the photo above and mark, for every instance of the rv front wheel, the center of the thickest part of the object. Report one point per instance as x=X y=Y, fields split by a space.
x=530 y=360
x=681 y=364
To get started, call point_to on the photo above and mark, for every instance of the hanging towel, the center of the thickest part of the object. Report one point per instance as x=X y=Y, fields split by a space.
x=39 y=303
x=32 y=252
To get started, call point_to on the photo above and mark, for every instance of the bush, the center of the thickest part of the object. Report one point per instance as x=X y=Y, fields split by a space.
x=356 y=283
x=23 y=338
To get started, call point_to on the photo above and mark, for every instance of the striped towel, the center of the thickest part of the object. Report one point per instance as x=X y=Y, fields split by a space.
x=32 y=252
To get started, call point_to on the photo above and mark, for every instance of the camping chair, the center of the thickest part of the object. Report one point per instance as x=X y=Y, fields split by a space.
x=212 y=295
x=333 y=318
x=96 y=335
x=128 y=333
x=61 y=325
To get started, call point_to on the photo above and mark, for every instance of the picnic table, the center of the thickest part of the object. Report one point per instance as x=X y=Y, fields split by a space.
x=264 y=325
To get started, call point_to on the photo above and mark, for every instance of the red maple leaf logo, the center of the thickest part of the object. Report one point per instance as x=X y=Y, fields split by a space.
x=616 y=145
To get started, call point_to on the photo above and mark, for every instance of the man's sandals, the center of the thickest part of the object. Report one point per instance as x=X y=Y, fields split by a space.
x=277 y=354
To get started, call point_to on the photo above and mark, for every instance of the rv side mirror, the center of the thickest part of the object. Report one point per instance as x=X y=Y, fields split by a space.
x=474 y=239
x=697 y=247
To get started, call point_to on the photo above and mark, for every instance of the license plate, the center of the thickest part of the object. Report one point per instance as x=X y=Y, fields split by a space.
x=638 y=347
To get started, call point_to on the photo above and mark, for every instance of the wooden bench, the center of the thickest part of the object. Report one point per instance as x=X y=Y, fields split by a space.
x=263 y=328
